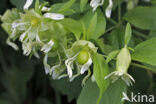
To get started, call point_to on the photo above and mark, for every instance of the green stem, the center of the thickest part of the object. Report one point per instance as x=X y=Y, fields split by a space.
x=86 y=78
x=100 y=97
x=143 y=66
x=119 y=13
x=112 y=21
x=140 y=34
x=111 y=28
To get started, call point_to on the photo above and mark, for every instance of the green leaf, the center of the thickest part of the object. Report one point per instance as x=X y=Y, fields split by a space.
x=37 y=6
x=128 y=34
x=66 y=6
x=112 y=55
x=105 y=48
x=112 y=95
x=116 y=38
x=8 y=18
x=73 y=26
x=145 y=52
x=83 y=3
x=142 y=17
x=71 y=89
x=92 y=26
x=18 y=3
x=89 y=94
x=101 y=25
x=100 y=71
x=152 y=34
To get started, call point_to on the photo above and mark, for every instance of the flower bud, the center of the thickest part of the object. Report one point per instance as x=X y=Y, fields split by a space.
x=123 y=60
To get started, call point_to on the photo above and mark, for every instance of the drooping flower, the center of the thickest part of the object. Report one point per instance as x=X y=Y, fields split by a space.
x=7 y=19
x=96 y=3
x=27 y=4
x=122 y=65
x=81 y=57
x=47 y=47
x=109 y=9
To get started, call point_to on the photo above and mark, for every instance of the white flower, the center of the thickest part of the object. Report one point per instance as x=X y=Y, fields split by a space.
x=47 y=47
x=23 y=35
x=27 y=4
x=14 y=27
x=69 y=65
x=95 y=3
x=86 y=66
x=46 y=65
x=81 y=68
x=13 y=45
x=109 y=9
x=54 y=16
x=27 y=48
x=45 y=9
x=36 y=53
x=122 y=65
x=125 y=76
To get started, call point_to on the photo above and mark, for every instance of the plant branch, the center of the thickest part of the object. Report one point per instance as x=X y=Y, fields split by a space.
x=140 y=34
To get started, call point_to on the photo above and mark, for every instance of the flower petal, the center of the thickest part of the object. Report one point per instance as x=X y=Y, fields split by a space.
x=14 y=26
x=54 y=16
x=95 y=3
x=27 y=4
x=47 y=47
x=36 y=53
x=109 y=9
x=45 y=9
x=24 y=34
x=46 y=65
x=69 y=64
x=86 y=66
x=13 y=45
x=27 y=48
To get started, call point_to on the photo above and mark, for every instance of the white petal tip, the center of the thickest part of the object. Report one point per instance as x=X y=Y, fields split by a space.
x=27 y=4
x=54 y=16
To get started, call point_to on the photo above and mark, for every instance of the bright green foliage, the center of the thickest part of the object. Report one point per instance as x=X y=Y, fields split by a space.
x=112 y=95
x=66 y=6
x=142 y=17
x=112 y=55
x=128 y=34
x=83 y=3
x=101 y=69
x=145 y=52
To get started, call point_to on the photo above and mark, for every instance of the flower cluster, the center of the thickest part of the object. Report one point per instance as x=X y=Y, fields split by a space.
x=41 y=31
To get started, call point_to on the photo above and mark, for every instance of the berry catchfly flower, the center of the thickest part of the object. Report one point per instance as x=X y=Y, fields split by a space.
x=81 y=55
x=122 y=65
x=96 y=3
x=123 y=61
x=30 y=24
